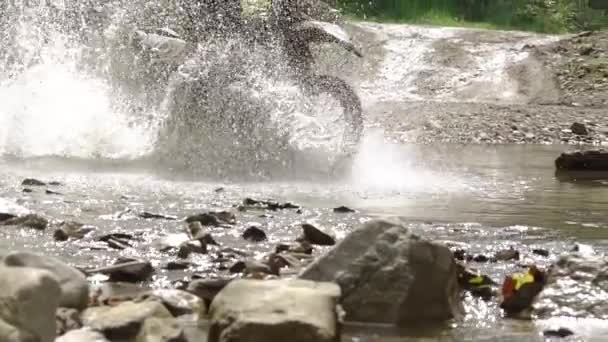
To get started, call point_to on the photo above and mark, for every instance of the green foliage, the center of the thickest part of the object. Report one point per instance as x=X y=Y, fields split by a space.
x=553 y=16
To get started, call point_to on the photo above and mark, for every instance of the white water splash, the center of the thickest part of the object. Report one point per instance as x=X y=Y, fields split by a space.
x=50 y=109
x=380 y=169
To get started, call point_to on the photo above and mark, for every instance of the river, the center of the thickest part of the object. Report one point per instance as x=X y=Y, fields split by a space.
x=58 y=124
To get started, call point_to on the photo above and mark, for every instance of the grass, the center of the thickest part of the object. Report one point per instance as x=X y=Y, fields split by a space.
x=494 y=16
x=431 y=18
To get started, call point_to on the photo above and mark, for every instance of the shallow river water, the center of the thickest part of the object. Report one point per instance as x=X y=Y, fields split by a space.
x=486 y=198
x=478 y=197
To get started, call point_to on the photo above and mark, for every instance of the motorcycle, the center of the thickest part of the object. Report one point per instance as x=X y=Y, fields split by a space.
x=286 y=26
x=200 y=50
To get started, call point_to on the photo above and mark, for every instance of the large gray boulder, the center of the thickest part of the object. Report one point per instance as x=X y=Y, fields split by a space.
x=276 y=310
x=388 y=275
x=577 y=286
x=74 y=285
x=29 y=298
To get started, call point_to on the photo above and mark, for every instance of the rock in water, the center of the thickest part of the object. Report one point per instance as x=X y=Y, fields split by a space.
x=32 y=182
x=315 y=236
x=388 y=275
x=124 y=321
x=82 y=335
x=30 y=221
x=254 y=234
x=207 y=289
x=29 y=298
x=592 y=160
x=74 y=285
x=276 y=310
x=579 y=128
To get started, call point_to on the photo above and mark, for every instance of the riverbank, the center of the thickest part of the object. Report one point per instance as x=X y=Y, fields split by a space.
x=455 y=85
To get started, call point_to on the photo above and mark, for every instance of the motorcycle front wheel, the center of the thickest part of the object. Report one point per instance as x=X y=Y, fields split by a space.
x=352 y=112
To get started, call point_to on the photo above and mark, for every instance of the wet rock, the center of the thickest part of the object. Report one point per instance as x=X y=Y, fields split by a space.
x=315 y=236
x=161 y=330
x=577 y=286
x=67 y=320
x=178 y=265
x=71 y=229
x=252 y=267
x=176 y=301
x=6 y=216
x=388 y=275
x=74 y=286
x=124 y=321
x=254 y=234
x=187 y=248
x=541 y=252
x=82 y=335
x=30 y=298
x=32 y=182
x=198 y=233
x=148 y=215
x=283 y=260
x=117 y=240
x=30 y=221
x=303 y=247
x=276 y=310
x=126 y=270
x=215 y=219
x=579 y=128
x=559 y=333
x=207 y=289
x=591 y=160
x=343 y=210
x=460 y=254
x=507 y=254
x=481 y=258
x=249 y=203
